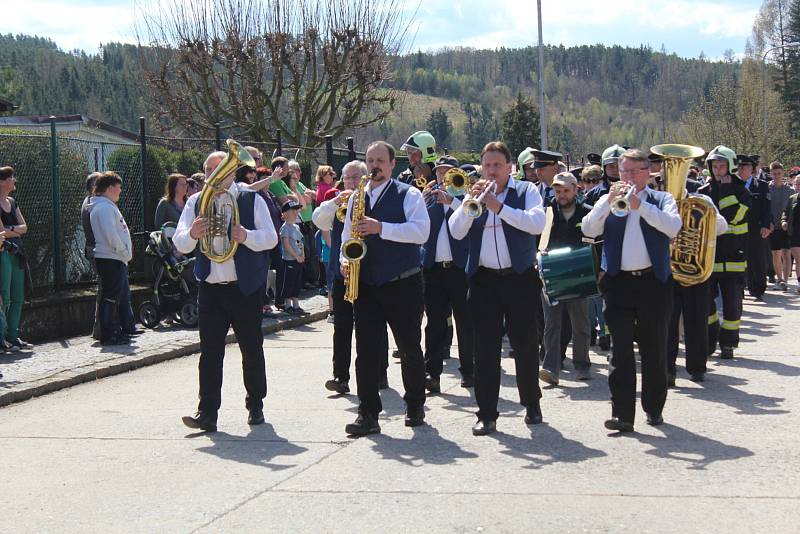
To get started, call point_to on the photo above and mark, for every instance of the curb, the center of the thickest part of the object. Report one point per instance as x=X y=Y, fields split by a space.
x=123 y=364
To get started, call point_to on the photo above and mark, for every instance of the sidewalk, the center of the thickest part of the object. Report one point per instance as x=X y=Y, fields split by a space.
x=60 y=364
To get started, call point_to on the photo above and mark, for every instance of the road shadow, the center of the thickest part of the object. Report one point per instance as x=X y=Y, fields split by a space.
x=391 y=401
x=778 y=368
x=259 y=447
x=545 y=446
x=722 y=389
x=426 y=446
x=697 y=451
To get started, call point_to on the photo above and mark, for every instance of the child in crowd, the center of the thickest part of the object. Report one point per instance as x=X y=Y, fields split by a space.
x=290 y=271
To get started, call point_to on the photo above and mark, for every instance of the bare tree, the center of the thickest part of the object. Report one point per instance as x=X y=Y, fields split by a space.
x=769 y=30
x=733 y=115
x=308 y=67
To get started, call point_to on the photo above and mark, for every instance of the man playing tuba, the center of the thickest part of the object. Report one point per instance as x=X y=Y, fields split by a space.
x=230 y=292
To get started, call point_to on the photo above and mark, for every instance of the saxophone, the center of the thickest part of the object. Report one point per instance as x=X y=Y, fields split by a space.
x=692 y=252
x=354 y=249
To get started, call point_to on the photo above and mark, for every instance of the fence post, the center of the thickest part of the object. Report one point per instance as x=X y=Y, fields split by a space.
x=58 y=260
x=279 y=147
x=446 y=151
x=103 y=156
x=143 y=156
x=351 y=151
x=328 y=150
x=218 y=136
x=96 y=160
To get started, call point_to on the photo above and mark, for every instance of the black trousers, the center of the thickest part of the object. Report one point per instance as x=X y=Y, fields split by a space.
x=637 y=307
x=446 y=290
x=222 y=306
x=114 y=308
x=756 y=263
x=731 y=287
x=692 y=302
x=398 y=304
x=343 y=334
x=311 y=265
x=492 y=298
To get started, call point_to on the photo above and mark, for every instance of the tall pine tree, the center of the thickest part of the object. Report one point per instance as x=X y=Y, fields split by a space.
x=521 y=125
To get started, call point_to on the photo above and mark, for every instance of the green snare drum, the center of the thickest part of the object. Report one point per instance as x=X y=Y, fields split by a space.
x=568 y=274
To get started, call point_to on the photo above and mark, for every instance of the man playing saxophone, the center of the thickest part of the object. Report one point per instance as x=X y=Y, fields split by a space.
x=231 y=293
x=393 y=225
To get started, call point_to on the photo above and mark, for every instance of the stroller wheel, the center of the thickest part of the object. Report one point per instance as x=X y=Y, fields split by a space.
x=149 y=315
x=188 y=314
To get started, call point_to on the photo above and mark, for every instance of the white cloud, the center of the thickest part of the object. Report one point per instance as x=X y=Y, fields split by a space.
x=71 y=24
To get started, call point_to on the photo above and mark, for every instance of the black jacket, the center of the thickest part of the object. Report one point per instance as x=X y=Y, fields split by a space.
x=760 y=215
x=567 y=233
x=733 y=202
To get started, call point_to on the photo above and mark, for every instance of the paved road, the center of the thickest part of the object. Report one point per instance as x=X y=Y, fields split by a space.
x=112 y=456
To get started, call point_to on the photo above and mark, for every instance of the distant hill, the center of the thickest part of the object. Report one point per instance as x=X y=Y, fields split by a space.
x=597 y=95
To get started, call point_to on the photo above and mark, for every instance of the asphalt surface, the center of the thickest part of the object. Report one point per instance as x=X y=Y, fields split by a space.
x=113 y=456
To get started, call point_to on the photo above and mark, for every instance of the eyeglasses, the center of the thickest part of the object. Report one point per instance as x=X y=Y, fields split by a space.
x=592 y=180
x=634 y=171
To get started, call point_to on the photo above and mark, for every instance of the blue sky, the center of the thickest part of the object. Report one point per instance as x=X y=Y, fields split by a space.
x=682 y=26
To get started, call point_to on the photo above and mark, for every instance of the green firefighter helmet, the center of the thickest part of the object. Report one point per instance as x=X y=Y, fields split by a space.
x=724 y=153
x=612 y=154
x=424 y=142
x=525 y=157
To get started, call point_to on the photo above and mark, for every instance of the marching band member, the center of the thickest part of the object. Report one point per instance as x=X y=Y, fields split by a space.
x=547 y=166
x=636 y=261
x=394 y=225
x=692 y=303
x=230 y=294
x=565 y=231
x=502 y=282
x=444 y=260
x=732 y=199
x=324 y=217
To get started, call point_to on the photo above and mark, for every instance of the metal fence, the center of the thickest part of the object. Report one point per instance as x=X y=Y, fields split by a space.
x=51 y=173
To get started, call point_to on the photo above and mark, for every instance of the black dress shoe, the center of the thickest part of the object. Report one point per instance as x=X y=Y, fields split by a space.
x=134 y=332
x=604 y=343
x=698 y=377
x=396 y=354
x=655 y=419
x=201 y=420
x=726 y=353
x=483 y=428
x=533 y=414
x=363 y=425
x=468 y=381
x=619 y=425
x=384 y=383
x=255 y=417
x=338 y=385
x=415 y=416
x=432 y=384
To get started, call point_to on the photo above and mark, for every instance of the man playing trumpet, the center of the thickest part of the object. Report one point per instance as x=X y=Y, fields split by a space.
x=502 y=281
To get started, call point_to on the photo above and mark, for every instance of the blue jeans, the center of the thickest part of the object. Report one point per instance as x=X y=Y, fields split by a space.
x=596 y=314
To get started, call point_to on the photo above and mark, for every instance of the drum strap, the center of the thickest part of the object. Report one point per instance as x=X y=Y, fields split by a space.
x=544 y=239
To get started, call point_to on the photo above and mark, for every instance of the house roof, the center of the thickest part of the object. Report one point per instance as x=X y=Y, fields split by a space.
x=40 y=120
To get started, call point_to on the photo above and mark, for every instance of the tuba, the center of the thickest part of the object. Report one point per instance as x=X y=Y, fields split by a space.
x=692 y=251
x=219 y=206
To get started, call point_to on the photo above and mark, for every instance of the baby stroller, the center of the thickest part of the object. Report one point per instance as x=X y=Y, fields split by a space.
x=174 y=289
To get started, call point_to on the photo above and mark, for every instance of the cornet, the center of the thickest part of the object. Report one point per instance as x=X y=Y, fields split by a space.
x=473 y=207
x=621 y=206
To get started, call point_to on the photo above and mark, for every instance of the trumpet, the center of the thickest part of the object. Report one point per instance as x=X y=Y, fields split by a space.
x=473 y=207
x=621 y=206
x=341 y=211
x=456 y=182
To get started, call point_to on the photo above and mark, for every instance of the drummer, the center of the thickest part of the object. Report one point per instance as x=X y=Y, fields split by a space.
x=564 y=219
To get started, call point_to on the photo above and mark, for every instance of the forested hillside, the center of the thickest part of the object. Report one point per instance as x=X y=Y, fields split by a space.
x=597 y=95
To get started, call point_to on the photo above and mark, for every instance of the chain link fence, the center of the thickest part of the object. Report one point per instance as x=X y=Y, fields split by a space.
x=51 y=175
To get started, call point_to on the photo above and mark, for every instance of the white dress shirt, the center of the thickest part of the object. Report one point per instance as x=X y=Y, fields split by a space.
x=666 y=220
x=416 y=228
x=258 y=240
x=494 y=249
x=443 y=251
x=324 y=214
